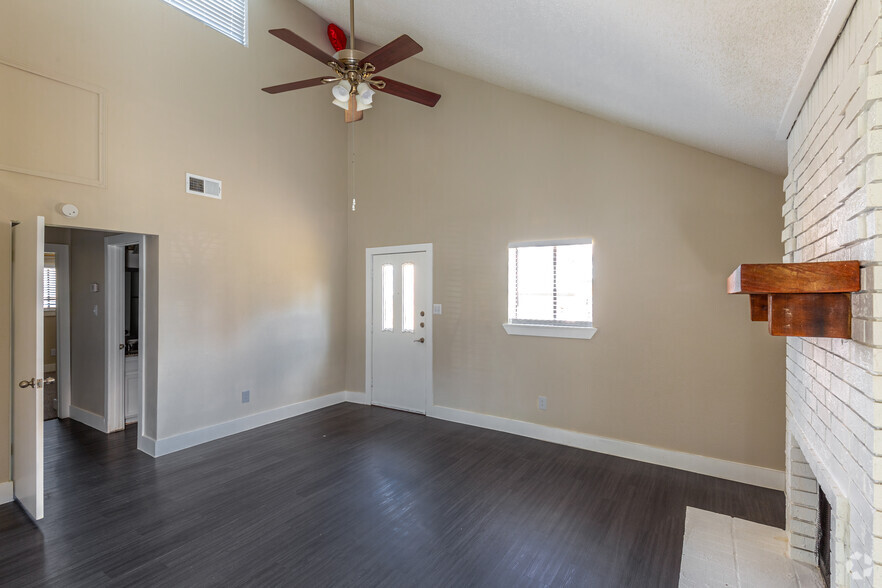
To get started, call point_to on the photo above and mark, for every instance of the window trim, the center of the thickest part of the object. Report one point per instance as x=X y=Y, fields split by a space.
x=549 y=331
x=539 y=329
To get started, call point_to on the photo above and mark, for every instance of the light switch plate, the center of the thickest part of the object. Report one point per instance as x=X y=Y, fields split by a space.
x=93 y=287
x=436 y=309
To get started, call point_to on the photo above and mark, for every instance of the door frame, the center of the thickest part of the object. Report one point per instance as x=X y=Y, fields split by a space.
x=62 y=330
x=370 y=252
x=114 y=305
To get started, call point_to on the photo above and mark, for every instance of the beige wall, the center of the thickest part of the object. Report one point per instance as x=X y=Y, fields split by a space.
x=251 y=288
x=87 y=340
x=675 y=362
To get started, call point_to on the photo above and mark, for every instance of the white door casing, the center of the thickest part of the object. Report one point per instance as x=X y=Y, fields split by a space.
x=27 y=365
x=399 y=327
x=115 y=355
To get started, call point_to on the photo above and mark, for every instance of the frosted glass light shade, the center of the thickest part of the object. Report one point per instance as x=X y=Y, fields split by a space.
x=341 y=91
x=360 y=104
x=365 y=93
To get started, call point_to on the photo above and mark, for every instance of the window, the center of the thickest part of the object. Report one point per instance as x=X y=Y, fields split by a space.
x=230 y=17
x=388 y=300
x=50 y=297
x=550 y=289
x=408 y=301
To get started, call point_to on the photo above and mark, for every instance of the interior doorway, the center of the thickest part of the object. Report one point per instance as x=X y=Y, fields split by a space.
x=399 y=327
x=125 y=316
x=99 y=321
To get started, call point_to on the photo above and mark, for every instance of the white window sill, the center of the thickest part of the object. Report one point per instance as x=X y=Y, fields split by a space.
x=550 y=331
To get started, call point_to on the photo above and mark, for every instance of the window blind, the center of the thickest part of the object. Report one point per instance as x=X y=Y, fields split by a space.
x=50 y=296
x=229 y=17
x=550 y=284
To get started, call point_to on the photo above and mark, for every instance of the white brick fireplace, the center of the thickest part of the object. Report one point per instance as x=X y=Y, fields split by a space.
x=833 y=212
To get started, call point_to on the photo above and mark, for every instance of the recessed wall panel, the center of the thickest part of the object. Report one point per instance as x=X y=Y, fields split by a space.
x=49 y=127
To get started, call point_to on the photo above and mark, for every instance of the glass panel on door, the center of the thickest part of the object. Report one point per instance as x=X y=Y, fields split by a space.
x=407 y=297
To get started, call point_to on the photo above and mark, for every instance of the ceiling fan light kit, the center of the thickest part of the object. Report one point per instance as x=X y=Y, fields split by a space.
x=354 y=84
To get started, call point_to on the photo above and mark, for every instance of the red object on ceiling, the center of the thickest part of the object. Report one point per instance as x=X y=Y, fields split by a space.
x=337 y=37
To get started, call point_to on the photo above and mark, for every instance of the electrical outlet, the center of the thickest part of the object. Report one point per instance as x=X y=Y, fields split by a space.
x=436 y=309
x=246 y=396
x=543 y=403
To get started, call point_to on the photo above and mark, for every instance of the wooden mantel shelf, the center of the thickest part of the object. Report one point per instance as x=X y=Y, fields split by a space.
x=800 y=299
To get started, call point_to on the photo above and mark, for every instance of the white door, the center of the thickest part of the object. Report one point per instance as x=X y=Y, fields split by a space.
x=27 y=365
x=401 y=305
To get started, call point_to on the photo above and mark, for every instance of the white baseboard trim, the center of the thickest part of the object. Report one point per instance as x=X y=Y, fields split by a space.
x=147 y=445
x=88 y=418
x=709 y=466
x=356 y=397
x=181 y=441
x=6 y=493
x=49 y=367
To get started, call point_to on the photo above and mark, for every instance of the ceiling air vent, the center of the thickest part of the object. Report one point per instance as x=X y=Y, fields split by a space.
x=203 y=186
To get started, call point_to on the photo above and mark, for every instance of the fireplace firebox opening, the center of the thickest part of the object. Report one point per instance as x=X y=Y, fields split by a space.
x=823 y=547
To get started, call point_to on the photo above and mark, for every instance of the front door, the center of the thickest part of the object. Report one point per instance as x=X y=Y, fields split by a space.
x=27 y=365
x=401 y=303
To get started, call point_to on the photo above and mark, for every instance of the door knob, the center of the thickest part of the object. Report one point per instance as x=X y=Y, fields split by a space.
x=49 y=381
x=122 y=346
x=32 y=383
x=420 y=340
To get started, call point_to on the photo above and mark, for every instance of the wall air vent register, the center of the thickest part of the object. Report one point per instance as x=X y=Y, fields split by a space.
x=202 y=186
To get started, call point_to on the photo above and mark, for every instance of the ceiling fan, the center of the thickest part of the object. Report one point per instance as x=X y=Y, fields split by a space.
x=354 y=71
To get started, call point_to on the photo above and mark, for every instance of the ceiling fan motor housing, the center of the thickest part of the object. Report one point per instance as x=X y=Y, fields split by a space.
x=349 y=57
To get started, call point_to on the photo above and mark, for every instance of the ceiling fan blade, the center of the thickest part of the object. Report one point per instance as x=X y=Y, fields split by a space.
x=297 y=41
x=392 y=53
x=408 y=92
x=294 y=85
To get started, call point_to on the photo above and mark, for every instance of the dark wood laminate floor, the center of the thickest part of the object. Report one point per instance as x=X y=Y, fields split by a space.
x=357 y=496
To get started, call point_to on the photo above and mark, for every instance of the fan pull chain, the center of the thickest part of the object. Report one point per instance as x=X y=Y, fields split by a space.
x=350 y=175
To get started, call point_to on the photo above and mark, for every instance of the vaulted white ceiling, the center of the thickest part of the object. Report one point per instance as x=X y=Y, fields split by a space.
x=715 y=74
